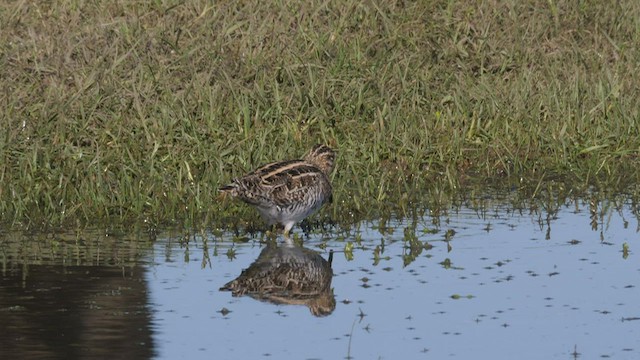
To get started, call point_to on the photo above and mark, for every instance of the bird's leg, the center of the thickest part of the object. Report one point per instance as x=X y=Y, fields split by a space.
x=291 y=239
x=287 y=229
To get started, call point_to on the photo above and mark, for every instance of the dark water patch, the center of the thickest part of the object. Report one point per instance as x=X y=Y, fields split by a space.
x=75 y=312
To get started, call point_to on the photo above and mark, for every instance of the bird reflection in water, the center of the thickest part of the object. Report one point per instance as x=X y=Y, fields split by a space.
x=288 y=274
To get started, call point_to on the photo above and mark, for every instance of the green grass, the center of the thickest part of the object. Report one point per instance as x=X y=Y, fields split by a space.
x=138 y=111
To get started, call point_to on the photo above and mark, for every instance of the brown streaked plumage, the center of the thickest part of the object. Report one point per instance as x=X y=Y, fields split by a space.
x=286 y=192
x=288 y=274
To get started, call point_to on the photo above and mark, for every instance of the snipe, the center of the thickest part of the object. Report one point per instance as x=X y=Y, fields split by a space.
x=286 y=192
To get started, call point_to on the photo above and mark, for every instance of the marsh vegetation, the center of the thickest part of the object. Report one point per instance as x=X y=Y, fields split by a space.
x=138 y=111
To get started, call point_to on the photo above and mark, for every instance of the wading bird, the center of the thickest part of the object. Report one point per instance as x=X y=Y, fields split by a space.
x=286 y=192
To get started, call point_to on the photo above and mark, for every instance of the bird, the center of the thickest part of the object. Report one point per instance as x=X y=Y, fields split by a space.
x=286 y=192
x=288 y=274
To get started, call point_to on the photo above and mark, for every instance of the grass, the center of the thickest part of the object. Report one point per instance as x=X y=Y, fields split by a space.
x=138 y=111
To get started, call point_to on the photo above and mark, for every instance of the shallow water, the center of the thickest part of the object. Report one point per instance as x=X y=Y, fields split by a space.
x=506 y=285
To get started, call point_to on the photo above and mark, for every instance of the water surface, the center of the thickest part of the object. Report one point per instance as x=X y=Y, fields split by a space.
x=496 y=284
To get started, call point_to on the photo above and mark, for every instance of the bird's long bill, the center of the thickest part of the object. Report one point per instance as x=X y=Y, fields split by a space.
x=223 y=193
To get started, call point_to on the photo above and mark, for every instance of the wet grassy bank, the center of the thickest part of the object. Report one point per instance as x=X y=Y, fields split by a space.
x=139 y=110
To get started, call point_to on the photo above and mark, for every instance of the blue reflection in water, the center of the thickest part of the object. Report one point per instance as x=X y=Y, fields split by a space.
x=503 y=291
